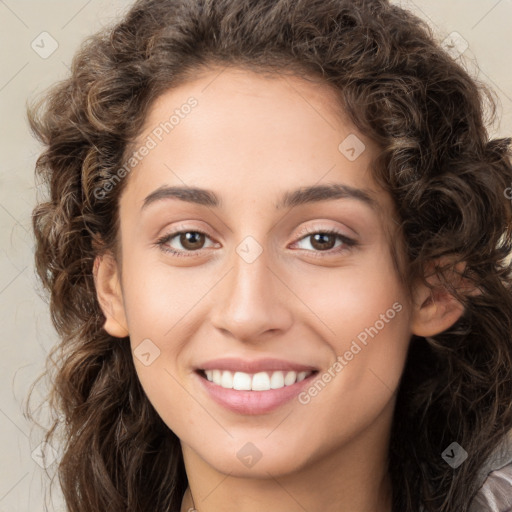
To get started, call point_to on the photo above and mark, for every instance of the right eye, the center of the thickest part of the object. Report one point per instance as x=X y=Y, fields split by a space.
x=192 y=241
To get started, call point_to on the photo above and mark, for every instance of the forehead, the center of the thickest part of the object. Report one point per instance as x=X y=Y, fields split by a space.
x=251 y=134
x=233 y=85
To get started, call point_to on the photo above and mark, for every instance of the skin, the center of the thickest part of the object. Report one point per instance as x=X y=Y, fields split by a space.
x=250 y=139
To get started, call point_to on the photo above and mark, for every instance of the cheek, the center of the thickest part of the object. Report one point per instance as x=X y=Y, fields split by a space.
x=157 y=301
x=163 y=307
x=159 y=297
x=364 y=316
x=356 y=298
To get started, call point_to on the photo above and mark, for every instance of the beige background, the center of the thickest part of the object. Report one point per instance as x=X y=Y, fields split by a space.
x=27 y=334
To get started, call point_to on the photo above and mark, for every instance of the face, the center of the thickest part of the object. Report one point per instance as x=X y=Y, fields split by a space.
x=242 y=281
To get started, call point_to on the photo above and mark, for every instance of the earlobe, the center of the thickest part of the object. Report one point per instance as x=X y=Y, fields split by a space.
x=435 y=309
x=108 y=292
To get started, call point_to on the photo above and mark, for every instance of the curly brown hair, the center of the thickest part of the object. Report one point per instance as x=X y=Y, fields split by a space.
x=445 y=175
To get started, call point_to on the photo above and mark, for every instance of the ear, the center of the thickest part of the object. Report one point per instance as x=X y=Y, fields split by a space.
x=436 y=309
x=110 y=298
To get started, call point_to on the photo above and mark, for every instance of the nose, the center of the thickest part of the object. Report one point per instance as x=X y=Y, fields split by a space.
x=253 y=301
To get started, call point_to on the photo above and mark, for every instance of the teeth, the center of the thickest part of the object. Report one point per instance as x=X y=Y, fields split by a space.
x=290 y=378
x=262 y=381
x=226 y=380
x=242 y=381
x=277 y=380
x=302 y=376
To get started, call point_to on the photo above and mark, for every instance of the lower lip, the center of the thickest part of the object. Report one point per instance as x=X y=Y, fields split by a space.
x=253 y=402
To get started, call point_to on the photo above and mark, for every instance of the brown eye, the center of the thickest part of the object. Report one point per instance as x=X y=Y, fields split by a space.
x=323 y=241
x=192 y=240
x=184 y=242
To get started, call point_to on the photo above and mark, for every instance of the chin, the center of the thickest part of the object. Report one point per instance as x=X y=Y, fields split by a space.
x=253 y=459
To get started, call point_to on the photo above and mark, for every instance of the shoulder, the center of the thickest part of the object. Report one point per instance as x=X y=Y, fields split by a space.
x=495 y=493
x=494 y=481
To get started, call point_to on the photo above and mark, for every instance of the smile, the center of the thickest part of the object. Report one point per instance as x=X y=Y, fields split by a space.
x=253 y=387
x=261 y=381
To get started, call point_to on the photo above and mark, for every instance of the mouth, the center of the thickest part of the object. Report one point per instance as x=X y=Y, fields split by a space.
x=261 y=381
x=256 y=387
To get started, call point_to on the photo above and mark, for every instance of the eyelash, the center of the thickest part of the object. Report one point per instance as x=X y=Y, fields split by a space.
x=348 y=243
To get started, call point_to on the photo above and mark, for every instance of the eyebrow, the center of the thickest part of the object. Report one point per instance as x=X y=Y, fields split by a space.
x=290 y=199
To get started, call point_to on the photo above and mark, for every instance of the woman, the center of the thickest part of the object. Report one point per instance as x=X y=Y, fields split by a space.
x=276 y=247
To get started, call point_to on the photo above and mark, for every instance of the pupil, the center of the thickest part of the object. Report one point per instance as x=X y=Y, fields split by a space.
x=191 y=238
x=320 y=240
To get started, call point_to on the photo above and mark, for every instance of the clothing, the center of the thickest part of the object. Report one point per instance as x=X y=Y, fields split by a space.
x=495 y=493
x=494 y=481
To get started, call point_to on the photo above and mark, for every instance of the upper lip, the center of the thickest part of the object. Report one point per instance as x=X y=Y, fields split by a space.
x=254 y=366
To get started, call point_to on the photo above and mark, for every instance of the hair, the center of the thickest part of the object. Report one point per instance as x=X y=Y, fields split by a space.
x=445 y=175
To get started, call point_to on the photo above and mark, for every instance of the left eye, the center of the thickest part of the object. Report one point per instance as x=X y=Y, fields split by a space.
x=324 y=240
